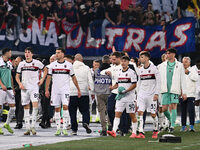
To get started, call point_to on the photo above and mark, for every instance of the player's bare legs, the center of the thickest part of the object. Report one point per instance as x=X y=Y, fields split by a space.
x=30 y=127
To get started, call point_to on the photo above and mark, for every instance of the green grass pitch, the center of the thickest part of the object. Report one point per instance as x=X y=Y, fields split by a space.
x=190 y=141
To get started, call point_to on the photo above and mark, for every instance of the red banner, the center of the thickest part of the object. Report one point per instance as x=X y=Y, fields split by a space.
x=68 y=27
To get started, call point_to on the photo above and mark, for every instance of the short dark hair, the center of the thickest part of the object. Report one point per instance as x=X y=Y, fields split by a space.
x=171 y=50
x=106 y=59
x=145 y=53
x=69 y=2
x=116 y=54
x=96 y=61
x=69 y=57
x=62 y=49
x=125 y=58
x=19 y=57
x=5 y=50
x=135 y=59
x=29 y=49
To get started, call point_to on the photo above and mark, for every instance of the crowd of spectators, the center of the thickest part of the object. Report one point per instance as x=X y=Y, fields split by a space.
x=18 y=14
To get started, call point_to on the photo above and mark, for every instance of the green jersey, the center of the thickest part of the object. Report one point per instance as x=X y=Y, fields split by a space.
x=5 y=73
x=170 y=72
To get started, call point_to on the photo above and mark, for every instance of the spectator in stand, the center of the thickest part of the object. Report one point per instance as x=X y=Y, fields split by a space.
x=58 y=17
x=113 y=15
x=130 y=15
x=3 y=12
x=69 y=14
x=66 y=1
x=140 y=15
x=13 y=18
x=86 y=14
x=47 y=11
x=79 y=3
x=157 y=17
x=182 y=8
x=99 y=15
x=150 y=18
x=149 y=6
x=25 y=20
x=35 y=9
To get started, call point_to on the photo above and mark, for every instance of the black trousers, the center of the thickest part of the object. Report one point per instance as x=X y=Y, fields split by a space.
x=125 y=122
x=111 y=107
x=187 y=106
x=45 y=102
x=19 y=112
x=82 y=104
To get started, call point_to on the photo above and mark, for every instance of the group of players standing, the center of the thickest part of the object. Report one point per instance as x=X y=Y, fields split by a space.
x=135 y=89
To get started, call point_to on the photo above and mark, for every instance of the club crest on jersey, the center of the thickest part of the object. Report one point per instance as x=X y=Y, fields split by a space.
x=126 y=75
x=65 y=66
x=55 y=65
x=149 y=71
x=33 y=64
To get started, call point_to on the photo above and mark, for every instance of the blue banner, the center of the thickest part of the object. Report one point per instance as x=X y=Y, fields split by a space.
x=133 y=39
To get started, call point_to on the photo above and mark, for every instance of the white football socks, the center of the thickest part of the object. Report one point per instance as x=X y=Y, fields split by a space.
x=11 y=113
x=65 y=118
x=57 y=118
x=140 y=123
x=34 y=116
x=134 y=127
x=155 y=123
x=116 y=124
x=27 y=118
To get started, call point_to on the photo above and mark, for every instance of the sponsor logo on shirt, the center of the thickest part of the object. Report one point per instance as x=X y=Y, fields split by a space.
x=147 y=76
x=30 y=68
x=60 y=71
x=124 y=80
